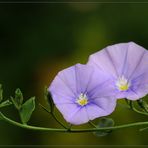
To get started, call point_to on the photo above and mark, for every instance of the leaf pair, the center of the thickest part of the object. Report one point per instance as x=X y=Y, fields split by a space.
x=25 y=109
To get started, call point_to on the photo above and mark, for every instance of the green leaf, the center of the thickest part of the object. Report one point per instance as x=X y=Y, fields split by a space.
x=1 y=93
x=104 y=122
x=18 y=99
x=5 y=103
x=27 y=109
x=48 y=98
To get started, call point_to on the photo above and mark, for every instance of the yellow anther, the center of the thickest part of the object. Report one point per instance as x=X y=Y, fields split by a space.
x=82 y=100
x=122 y=84
x=123 y=87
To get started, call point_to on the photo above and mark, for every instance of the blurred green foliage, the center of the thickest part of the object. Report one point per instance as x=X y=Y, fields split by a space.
x=38 y=40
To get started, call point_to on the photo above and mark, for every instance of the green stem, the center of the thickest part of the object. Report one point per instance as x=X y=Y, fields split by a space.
x=53 y=115
x=70 y=130
x=44 y=108
x=139 y=112
x=92 y=124
x=69 y=127
x=28 y=126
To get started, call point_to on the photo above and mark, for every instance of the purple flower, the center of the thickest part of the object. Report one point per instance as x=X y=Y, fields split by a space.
x=127 y=65
x=80 y=94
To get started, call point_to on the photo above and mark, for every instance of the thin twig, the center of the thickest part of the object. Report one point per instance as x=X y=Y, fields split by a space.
x=92 y=124
x=4 y=118
x=45 y=109
x=53 y=115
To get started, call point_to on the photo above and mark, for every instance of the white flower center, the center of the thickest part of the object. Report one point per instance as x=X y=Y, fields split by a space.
x=82 y=99
x=122 y=83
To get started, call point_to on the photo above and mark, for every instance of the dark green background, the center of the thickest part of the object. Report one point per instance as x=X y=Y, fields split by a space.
x=38 y=40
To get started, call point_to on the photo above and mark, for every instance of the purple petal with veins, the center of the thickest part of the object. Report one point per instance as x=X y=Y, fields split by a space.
x=127 y=64
x=81 y=93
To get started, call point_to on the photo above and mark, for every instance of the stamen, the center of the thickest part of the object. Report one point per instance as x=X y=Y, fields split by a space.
x=82 y=99
x=122 y=83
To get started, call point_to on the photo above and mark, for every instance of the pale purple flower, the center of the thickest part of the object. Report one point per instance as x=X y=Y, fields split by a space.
x=81 y=94
x=127 y=65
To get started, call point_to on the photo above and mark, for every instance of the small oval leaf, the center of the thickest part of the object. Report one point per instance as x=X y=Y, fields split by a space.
x=18 y=99
x=104 y=122
x=27 y=109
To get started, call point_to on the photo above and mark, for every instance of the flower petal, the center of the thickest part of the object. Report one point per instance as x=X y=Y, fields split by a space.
x=121 y=59
x=140 y=86
x=62 y=98
x=63 y=87
x=126 y=59
x=101 y=107
x=142 y=67
x=83 y=74
x=79 y=117
x=73 y=114
x=135 y=60
x=68 y=110
x=126 y=94
x=71 y=82
x=104 y=89
x=110 y=59
x=98 y=79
